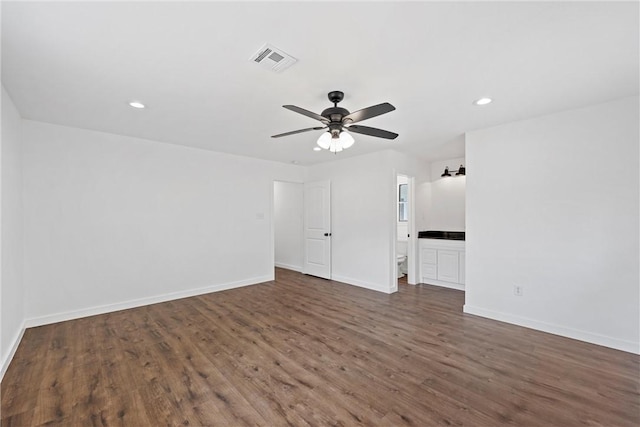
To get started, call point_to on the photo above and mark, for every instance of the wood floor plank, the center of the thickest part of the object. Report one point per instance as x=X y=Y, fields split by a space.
x=356 y=368
x=298 y=375
x=307 y=351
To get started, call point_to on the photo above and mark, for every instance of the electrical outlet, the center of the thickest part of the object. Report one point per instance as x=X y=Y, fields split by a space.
x=518 y=290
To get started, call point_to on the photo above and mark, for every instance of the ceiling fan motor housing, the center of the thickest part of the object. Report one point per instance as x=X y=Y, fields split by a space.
x=335 y=114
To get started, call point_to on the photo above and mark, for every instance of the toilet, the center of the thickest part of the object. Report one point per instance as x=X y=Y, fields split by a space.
x=401 y=255
x=401 y=260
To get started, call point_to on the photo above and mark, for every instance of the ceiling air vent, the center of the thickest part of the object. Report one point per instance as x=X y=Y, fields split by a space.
x=272 y=58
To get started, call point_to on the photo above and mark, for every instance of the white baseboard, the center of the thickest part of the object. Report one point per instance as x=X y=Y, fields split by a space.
x=12 y=350
x=297 y=268
x=108 y=308
x=618 y=344
x=456 y=286
x=361 y=284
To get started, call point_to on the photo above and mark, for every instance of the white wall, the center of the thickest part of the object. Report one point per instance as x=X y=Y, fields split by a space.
x=423 y=206
x=552 y=205
x=114 y=221
x=288 y=218
x=11 y=287
x=362 y=194
x=447 y=197
x=363 y=215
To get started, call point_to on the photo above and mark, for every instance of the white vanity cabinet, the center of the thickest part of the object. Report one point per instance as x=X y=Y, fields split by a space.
x=442 y=262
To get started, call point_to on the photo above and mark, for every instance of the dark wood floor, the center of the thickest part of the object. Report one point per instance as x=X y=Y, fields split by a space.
x=305 y=351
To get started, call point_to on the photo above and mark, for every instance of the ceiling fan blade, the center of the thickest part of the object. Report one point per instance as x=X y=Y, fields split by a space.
x=306 y=113
x=367 y=113
x=366 y=130
x=297 y=131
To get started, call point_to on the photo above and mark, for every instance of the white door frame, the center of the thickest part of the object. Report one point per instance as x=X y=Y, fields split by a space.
x=274 y=218
x=412 y=241
x=412 y=244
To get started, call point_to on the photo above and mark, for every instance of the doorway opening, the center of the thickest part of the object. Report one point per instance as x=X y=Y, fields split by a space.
x=405 y=230
x=288 y=225
x=301 y=231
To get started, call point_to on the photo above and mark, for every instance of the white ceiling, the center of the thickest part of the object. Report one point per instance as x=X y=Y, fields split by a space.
x=79 y=63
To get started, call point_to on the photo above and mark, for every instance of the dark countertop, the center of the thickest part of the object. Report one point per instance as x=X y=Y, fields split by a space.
x=445 y=235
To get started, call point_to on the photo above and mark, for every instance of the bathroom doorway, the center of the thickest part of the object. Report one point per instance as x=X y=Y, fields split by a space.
x=405 y=230
x=287 y=225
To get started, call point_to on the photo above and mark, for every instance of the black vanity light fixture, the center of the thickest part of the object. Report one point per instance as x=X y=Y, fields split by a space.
x=461 y=171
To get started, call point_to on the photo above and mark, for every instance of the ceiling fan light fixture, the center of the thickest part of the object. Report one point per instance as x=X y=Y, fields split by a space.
x=335 y=141
x=335 y=146
x=324 y=141
x=346 y=140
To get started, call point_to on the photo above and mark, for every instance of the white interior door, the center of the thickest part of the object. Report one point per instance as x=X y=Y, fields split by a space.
x=317 y=229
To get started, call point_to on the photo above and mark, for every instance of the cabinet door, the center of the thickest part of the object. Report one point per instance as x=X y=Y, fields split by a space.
x=428 y=272
x=428 y=256
x=462 y=268
x=448 y=266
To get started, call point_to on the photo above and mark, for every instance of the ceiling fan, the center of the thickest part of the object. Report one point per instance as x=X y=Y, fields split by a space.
x=338 y=120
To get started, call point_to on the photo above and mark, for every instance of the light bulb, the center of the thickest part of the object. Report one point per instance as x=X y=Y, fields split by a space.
x=325 y=140
x=346 y=140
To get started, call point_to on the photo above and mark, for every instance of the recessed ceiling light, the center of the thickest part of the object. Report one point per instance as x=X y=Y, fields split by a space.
x=137 y=104
x=482 y=101
x=317 y=149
